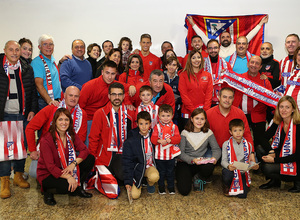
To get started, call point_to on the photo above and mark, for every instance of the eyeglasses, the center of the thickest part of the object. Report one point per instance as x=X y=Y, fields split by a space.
x=116 y=94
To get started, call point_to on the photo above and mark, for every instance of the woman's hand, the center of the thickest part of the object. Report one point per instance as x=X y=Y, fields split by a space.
x=34 y=155
x=72 y=184
x=69 y=169
x=268 y=158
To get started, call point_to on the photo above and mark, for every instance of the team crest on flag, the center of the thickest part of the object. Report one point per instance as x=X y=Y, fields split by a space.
x=216 y=26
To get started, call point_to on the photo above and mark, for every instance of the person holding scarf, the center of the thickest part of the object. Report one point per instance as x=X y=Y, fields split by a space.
x=59 y=169
x=282 y=157
x=18 y=102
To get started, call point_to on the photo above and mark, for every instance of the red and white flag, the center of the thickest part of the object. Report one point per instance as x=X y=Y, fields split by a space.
x=12 y=141
x=237 y=26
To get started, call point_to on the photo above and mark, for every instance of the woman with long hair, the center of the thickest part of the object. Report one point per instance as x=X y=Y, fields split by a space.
x=134 y=70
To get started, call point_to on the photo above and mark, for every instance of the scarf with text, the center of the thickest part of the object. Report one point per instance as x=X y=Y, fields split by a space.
x=152 y=109
x=288 y=148
x=114 y=127
x=237 y=184
x=72 y=155
x=232 y=58
x=6 y=66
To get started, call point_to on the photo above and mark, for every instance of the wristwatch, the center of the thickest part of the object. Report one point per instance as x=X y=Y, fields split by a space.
x=75 y=162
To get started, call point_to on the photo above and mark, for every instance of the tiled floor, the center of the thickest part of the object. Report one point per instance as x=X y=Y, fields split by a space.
x=210 y=204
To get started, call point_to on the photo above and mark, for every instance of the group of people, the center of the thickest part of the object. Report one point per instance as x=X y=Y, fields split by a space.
x=148 y=119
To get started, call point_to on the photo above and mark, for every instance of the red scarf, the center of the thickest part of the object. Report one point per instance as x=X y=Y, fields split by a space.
x=148 y=151
x=237 y=184
x=113 y=133
x=72 y=155
x=288 y=148
x=6 y=66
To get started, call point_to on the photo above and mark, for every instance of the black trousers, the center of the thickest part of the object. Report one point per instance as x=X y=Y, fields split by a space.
x=61 y=185
x=185 y=173
x=116 y=167
x=258 y=130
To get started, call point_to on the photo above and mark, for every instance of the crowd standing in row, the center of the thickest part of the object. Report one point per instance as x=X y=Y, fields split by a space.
x=140 y=116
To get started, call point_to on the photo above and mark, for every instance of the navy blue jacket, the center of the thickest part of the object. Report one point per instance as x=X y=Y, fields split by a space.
x=134 y=158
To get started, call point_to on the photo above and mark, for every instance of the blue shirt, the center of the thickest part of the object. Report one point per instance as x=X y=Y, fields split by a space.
x=40 y=72
x=75 y=72
x=240 y=65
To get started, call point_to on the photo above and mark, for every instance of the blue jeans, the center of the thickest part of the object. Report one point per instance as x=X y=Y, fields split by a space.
x=88 y=130
x=18 y=165
x=166 y=170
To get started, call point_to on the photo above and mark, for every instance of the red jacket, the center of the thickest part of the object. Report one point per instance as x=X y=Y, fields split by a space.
x=94 y=95
x=150 y=63
x=166 y=96
x=195 y=93
x=133 y=78
x=258 y=113
x=49 y=162
x=42 y=121
x=99 y=135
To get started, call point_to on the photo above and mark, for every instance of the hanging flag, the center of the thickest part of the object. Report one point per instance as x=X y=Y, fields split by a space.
x=237 y=26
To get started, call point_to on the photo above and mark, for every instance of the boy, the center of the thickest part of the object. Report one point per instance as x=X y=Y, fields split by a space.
x=146 y=95
x=165 y=137
x=138 y=157
x=236 y=182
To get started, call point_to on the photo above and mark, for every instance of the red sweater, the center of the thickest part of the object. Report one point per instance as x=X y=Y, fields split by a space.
x=258 y=113
x=195 y=93
x=150 y=63
x=220 y=124
x=94 y=95
x=43 y=119
x=49 y=162
x=99 y=135
x=166 y=96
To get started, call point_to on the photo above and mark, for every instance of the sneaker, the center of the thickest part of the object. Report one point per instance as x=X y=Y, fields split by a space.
x=171 y=191
x=150 y=189
x=198 y=183
x=161 y=190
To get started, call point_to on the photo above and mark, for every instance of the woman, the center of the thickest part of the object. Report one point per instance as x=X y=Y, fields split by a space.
x=93 y=51
x=293 y=82
x=195 y=86
x=282 y=157
x=134 y=71
x=193 y=145
x=59 y=169
x=114 y=55
x=26 y=49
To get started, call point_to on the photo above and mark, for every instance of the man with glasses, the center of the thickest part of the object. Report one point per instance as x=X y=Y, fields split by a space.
x=215 y=65
x=109 y=130
x=78 y=70
x=46 y=73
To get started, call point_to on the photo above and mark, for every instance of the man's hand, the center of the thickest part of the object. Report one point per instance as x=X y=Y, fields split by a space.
x=264 y=20
x=30 y=116
x=54 y=102
x=191 y=21
x=34 y=155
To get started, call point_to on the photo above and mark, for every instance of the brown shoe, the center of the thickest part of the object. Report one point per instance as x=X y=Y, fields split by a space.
x=19 y=181
x=225 y=190
x=5 y=190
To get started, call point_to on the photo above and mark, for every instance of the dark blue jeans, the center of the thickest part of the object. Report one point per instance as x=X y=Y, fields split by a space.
x=166 y=171
x=18 y=165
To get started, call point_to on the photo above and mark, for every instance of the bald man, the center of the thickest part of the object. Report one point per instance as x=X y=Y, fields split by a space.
x=44 y=117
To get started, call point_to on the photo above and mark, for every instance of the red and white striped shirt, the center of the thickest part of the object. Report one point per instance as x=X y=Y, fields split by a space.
x=152 y=109
x=293 y=86
x=286 y=67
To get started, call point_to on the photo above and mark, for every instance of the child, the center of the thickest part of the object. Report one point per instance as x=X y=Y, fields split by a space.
x=125 y=45
x=146 y=95
x=138 y=157
x=165 y=137
x=236 y=182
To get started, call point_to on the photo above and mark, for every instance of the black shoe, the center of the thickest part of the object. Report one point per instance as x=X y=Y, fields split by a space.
x=171 y=191
x=82 y=193
x=270 y=184
x=296 y=188
x=49 y=199
x=161 y=190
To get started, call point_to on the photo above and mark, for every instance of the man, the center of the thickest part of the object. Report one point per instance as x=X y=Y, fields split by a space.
x=219 y=117
x=166 y=45
x=227 y=46
x=162 y=92
x=43 y=120
x=240 y=58
x=215 y=65
x=255 y=111
x=270 y=67
x=46 y=73
x=106 y=47
x=150 y=61
x=286 y=65
x=196 y=44
x=18 y=102
x=78 y=70
x=94 y=93
x=109 y=130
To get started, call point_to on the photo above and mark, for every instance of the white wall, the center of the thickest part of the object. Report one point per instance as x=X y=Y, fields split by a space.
x=98 y=20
